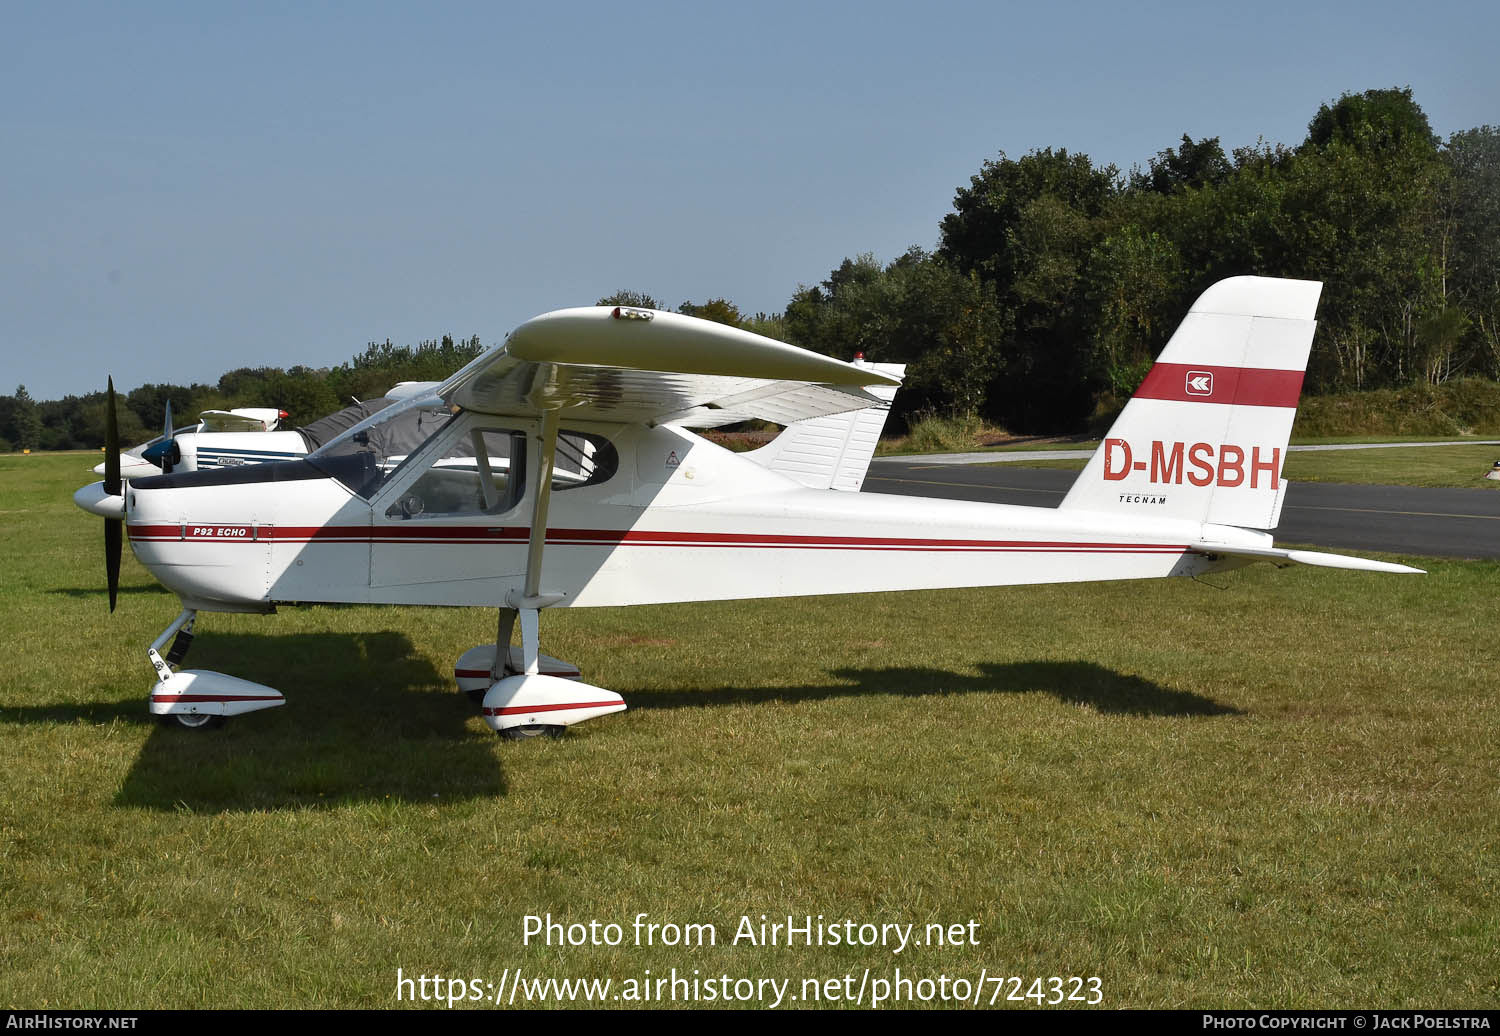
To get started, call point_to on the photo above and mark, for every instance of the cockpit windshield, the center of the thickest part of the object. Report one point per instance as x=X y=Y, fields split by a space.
x=366 y=454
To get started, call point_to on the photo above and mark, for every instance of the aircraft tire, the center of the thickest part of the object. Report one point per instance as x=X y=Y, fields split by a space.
x=528 y=732
x=192 y=721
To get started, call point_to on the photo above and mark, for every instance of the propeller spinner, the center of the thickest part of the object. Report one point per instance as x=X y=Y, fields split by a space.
x=165 y=454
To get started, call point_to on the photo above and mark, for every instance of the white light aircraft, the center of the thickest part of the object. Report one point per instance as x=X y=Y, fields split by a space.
x=246 y=435
x=559 y=470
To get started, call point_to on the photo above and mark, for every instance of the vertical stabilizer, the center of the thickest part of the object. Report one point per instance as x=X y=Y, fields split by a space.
x=1205 y=436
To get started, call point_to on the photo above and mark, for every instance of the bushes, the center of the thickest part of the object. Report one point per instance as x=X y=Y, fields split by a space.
x=933 y=434
x=1466 y=406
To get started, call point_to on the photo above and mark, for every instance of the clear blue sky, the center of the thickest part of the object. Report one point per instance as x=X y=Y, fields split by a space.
x=189 y=188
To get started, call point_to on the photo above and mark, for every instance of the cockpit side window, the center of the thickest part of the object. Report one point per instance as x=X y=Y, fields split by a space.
x=374 y=453
x=480 y=473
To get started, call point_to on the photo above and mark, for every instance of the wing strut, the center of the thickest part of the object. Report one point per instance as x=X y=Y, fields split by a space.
x=527 y=604
x=541 y=498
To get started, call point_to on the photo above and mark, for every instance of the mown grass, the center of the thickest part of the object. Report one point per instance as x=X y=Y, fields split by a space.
x=1452 y=467
x=1278 y=792
x=1457 y=467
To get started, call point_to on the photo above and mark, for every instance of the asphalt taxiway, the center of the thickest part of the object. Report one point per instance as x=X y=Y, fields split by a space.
x=1455 y=523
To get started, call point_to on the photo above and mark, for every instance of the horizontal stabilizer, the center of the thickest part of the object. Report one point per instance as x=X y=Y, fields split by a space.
x=243 y=419
x=832 y=452
x=1312 y=557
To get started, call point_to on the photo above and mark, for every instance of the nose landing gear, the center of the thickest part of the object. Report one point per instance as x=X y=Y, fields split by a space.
x=197 y=699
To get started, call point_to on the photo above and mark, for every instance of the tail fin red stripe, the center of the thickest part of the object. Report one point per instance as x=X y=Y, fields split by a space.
x=1238 y=386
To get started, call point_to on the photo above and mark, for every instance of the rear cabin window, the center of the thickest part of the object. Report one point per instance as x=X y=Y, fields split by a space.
x=583 y=459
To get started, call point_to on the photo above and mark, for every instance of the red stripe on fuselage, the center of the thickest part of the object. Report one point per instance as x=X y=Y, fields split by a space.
x=1237 y=386
x=413 y=533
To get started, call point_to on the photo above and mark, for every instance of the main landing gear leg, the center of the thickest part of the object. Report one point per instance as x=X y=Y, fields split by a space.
x=529 y=703
x=501 y=667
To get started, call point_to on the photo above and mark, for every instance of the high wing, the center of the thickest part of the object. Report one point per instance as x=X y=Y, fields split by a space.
x=629 y=365
x=260 y=419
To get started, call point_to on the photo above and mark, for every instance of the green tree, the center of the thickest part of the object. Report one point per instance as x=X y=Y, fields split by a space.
x=720 y=311
x=1194 y=164
x=1362 y=213
x=636 y=299
x=920 y=309
x=771 y=325
x=981 y=231
x=88 y=431
x=1471 y=268
x=1132 y=285
x=1028 y=227
x=1375 y=122
x=956 y=330
x=850 y=313
x=1357 y=205
x=149 y=405
x=26 y=426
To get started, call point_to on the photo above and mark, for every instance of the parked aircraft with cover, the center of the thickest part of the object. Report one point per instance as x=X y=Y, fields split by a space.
x=561 y=469
x=246 y=435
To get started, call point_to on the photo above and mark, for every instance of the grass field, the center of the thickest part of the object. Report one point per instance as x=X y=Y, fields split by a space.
x=1276 y=791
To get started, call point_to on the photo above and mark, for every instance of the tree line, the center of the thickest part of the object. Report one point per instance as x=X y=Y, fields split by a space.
x=1055 y=282
x=305 y=393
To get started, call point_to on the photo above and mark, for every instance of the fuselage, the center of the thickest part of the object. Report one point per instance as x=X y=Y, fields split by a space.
x=200 y=450
x=668 y=516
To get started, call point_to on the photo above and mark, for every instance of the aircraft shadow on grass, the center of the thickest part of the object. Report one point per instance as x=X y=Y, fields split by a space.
x=124 y=590
x=1078 y=683
x=367 y=720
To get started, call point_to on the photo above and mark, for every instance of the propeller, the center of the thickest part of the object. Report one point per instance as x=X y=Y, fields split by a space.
x=113 y=527
x=165 y=454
